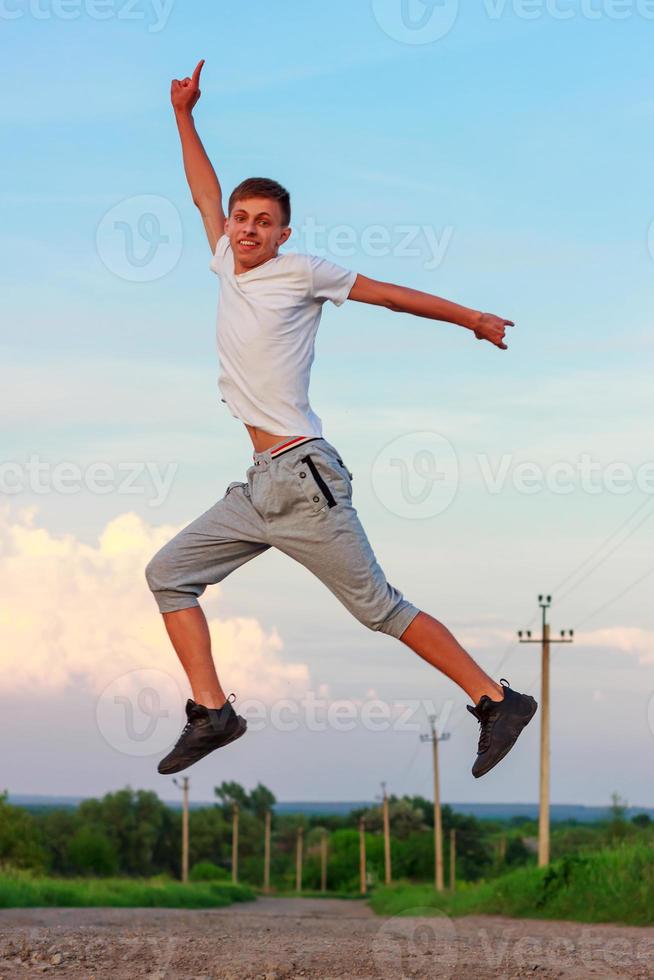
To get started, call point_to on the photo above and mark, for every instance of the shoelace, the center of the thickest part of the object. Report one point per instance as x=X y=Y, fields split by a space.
x=191 y=721
x=485 y=722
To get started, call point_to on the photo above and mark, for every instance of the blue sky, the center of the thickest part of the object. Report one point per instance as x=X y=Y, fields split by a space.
x=522 y=146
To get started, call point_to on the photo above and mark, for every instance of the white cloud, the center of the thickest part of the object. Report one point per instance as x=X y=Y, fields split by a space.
x=78 y=614
x=632 y=640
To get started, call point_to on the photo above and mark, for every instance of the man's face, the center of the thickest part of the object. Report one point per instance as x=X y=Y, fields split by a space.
x=255 y=231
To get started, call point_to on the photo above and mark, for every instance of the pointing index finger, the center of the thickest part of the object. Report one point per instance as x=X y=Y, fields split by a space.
x=196 y=73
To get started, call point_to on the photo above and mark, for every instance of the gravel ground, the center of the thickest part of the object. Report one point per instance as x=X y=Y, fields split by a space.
x=275 y=938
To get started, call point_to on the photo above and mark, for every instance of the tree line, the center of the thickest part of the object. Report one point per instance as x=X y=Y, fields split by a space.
x=134 y=833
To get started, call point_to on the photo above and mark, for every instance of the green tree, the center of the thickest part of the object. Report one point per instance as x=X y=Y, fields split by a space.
x=20 y=843
x=261 y=800
x=91 y=852
x=135 y=822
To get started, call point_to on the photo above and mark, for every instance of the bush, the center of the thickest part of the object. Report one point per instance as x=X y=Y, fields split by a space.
x=208 y=871
x=91 y=852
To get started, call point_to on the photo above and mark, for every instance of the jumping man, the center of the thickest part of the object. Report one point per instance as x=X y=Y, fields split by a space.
x=297 y=495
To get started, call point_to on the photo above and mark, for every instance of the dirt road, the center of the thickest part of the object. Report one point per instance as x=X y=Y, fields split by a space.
x=277 y=938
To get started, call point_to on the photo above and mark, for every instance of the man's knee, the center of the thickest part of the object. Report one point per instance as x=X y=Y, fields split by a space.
x=151 y=573
x=157 y=571
x=393 y=621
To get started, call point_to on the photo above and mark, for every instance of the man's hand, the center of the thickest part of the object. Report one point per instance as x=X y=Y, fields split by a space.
x=401 y=299
x=492 y=328
x=186 y=93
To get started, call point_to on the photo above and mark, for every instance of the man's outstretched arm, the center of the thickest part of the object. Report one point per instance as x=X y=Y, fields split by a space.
x=400 y=299
x=205 y=186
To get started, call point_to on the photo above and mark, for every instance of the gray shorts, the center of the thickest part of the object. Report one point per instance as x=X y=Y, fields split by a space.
x=297 y=497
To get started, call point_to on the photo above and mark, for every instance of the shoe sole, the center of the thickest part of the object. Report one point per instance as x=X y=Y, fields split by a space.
x=511 y=744
x=242 y=728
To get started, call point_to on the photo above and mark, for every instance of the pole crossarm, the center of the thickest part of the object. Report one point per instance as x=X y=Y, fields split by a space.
x=545 y=640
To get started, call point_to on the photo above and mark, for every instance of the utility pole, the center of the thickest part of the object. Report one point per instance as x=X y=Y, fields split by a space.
x=234 y=841
x=184 y=787
x=362 y=854
x=452 y=859
x=266 y=853
x=435 y=738
x=544 y=794
x=298 y=860
x=387 y=837
x=323 y=861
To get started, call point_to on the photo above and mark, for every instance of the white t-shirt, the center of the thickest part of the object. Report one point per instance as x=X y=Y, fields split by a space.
x=266 y=327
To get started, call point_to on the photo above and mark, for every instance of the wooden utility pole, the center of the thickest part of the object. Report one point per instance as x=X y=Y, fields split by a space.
x=362 y=854
x=452 y=859
x=234 y=841
x=544 y=792
x=323 y=861
x=435 y=738
x=387 y=837
x=266 y=853
x=501 y=850
x=184 y=787
x=298 y=860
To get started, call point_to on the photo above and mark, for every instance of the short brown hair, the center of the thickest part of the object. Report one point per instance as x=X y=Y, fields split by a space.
x=263 y=187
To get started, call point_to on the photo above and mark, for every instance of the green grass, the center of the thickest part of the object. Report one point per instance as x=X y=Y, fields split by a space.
x=24 y=890
x=611 y=885
x=308 y=893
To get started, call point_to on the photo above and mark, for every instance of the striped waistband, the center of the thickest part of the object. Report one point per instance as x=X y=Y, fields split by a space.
x=284 y=447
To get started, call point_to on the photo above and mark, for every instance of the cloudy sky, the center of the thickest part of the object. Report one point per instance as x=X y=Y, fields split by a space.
x=499 y=156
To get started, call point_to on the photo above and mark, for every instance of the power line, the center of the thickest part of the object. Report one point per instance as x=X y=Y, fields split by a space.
x=571 y=575
x=615 y=598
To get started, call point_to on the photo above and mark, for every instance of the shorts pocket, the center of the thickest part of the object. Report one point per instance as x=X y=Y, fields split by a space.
x=314 y=478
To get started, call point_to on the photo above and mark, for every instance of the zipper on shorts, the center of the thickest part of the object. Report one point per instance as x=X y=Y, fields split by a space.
x=319 y=480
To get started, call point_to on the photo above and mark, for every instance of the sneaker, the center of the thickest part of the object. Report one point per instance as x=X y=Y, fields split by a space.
x=206 y=729
x=500 y=724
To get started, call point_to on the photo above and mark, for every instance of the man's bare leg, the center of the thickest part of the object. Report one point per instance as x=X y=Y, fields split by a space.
x=435 y=644
x=189 y=634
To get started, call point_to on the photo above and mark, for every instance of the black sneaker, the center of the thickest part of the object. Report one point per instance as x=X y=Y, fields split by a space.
x=206 y=729
x=501 y=722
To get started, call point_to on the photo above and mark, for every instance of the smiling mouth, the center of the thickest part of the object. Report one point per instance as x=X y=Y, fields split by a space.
x=248 y=243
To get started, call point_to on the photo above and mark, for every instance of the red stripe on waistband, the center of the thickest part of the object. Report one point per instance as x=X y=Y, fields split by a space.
x=285 y=446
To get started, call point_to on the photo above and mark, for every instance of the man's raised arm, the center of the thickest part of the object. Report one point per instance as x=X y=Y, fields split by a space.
x=486 y=326
x=205 y=186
